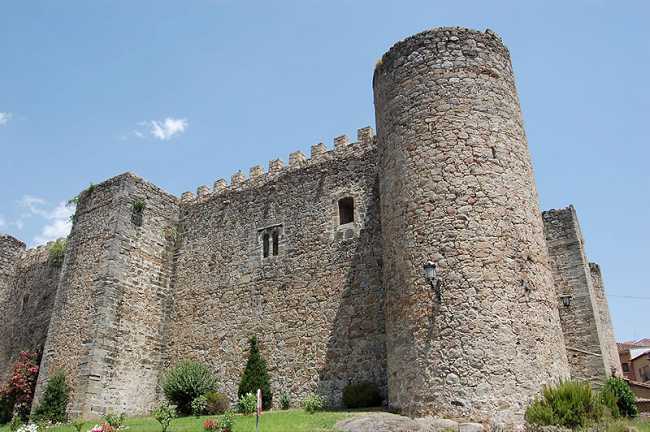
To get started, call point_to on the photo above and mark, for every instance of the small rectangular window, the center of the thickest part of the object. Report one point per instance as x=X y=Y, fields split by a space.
x=276 y=241
x=626 y=367
x=265 y=245
x=346 y=210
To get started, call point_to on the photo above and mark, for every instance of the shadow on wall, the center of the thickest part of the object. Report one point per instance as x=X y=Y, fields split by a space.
x=356 y=350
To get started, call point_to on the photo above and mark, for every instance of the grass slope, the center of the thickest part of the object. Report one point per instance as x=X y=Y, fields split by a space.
x=274 y=421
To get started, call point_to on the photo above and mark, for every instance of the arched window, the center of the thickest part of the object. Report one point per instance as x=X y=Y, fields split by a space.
x=276 y=240
x=265 y=245
x=346 y=210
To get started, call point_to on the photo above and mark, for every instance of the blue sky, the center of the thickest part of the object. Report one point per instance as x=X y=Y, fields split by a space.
x=185 y=92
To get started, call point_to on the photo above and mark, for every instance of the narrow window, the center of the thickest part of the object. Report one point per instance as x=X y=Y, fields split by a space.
x=626 y=367
x=346 y=210
x=265 y=245
x=276 y=236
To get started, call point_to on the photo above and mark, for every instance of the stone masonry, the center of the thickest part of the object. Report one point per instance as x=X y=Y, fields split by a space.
x=588 y=334
x=457 y=187
x=27 y=307
x=323 y=258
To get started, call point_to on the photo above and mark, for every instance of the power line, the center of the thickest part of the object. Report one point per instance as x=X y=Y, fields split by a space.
x=630 y=297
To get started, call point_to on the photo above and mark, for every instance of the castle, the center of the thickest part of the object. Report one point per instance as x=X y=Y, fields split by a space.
x=323 y=260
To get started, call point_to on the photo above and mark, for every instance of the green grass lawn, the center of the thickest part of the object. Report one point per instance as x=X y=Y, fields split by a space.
x=643 y=425
x=274 y=421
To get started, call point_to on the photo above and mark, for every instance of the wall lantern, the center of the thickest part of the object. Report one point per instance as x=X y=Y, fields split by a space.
x=431 y=277
x=566 y=300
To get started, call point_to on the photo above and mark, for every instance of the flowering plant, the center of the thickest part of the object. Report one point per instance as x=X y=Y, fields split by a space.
x=20 y=389
x=28 y=428
x=210 y=425
x=104 y=427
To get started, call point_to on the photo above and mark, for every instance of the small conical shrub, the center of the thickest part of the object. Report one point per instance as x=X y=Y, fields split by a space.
x=55 y=400
x=256 y=376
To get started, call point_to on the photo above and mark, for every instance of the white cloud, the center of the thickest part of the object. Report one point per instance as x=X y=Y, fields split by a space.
x=168 y=128
x=163 y=130
x=4 y=118
x=3 y=222
x=57 y=219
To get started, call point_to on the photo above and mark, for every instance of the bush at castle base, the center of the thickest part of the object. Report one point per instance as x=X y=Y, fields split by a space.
x=218 y=403
x=571 y=404
x=54 y=401
x=16 y=397
x=247 y=404
x=187 y=381
x=256 y=376
x=618 y=397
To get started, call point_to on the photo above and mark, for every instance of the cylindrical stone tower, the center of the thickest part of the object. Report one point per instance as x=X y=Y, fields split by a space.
x=457 y=188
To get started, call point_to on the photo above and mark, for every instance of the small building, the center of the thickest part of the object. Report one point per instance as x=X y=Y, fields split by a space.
x=635 y=360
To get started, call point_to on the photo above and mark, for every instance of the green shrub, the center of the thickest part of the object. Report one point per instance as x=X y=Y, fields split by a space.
x=114 y=420
x=137 y=210
x=55 y=400
x=313 y=403
x=247 y=404
x=138 y=205
x=618 y=397
x=285 y=400
x=199 y=405
x=15 y=423
x=164 y=415
x=218 y=403
x=570 y=404
x=361 y=395
x=256 y=376
x=187 y=381
x=227 y=422
x=56 y=252
x=78 y=424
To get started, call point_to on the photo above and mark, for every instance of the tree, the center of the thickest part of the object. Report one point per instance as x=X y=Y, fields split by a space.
x=256 y=376
x=55 y=400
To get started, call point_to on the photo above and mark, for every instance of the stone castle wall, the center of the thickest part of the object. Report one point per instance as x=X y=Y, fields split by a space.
x=448 y=179
x=113 y=299
x=28 y=307
x=10 y=251
x=613 y=360
x=457 y=188
x=584 y=335
x=317 y=306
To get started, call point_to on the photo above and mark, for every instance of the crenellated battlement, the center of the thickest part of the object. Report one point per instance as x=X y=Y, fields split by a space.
x=36 y=254
x=321 y=256
x=276 y=167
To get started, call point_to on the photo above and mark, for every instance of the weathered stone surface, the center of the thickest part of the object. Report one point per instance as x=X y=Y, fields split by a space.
x=339 y=296
x=470 y=427
x=613 y=360
x=379 y=422
x=584 y=330
x=457 y=188
x=10 y=252
x=316 y=307
x=113 y=300
x=434 y=424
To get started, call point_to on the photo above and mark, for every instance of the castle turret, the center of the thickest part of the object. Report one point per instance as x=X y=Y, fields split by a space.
x=10 y=250
x=457 y=188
